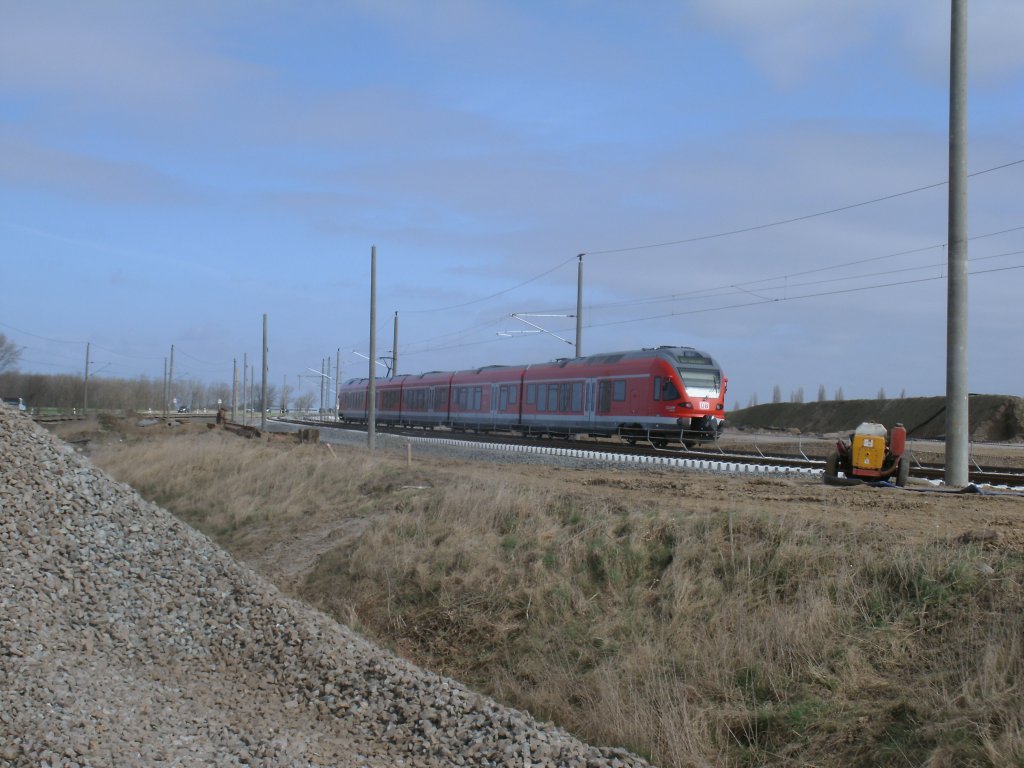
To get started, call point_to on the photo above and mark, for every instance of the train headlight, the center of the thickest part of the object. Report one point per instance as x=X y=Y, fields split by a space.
x=687 y=405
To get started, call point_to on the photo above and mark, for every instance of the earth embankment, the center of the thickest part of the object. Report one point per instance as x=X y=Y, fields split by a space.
x=992 y=418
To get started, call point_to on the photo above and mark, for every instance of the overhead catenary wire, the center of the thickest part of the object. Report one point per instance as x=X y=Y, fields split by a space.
x=741 y=230
x=794 y=219
x=727 y=289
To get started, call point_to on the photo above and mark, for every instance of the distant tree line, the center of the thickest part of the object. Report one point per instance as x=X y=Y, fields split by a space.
x=143 y=394
x=797 y=396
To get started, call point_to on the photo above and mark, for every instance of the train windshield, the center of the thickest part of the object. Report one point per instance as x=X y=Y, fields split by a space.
x=701 y=382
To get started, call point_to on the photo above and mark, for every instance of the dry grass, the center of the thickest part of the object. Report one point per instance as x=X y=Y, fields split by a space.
x=694 y=634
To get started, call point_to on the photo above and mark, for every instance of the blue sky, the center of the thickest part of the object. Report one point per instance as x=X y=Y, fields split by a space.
x=169 y=172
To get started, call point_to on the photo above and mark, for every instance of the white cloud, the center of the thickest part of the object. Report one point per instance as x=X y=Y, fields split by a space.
x=118 y=54
x=788 y=38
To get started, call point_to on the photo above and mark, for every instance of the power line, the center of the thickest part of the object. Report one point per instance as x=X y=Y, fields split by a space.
x=805 y=217
x=725 y=290
x=493 y=295
x=794 y=298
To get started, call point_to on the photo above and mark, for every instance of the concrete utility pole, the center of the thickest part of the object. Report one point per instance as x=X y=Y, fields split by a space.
x=957 y=415
x=165 y=385
x=394 y=350
x=170 y=376
x=234 y=389
x=85 y=393
x=263 y=390
x=579 y=307
x=252 y=389
x=322 y=380
x=245 y=386
x=371 y=406
x=337 y=382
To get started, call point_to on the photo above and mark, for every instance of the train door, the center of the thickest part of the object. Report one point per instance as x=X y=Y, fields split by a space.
x=590 y=403
x=495 y=404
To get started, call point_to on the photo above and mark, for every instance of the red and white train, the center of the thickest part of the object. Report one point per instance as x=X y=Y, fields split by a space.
x=665 y=394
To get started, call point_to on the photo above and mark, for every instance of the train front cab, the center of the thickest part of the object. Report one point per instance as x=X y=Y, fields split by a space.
x=668 y=394
x=700 y=407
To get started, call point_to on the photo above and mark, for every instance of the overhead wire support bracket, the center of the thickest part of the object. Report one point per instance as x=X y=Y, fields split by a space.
x=520 y=316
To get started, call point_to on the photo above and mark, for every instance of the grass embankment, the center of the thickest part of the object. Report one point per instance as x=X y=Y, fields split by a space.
x=992 y=417
x=693 y=634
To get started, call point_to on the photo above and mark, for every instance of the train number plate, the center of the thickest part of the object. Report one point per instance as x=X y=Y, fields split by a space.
x=705 y=406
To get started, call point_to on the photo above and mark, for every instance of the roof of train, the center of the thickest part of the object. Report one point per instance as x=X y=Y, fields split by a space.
x=675 y=355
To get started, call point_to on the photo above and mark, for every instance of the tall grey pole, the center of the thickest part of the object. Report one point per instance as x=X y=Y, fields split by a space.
x=263 y=390
x=371 y=405
x=165 y=385
x=245 y=387
x=579 y=307
x=170 y=376
x=85 y=392
x=284 y=393
x=234 y=389
x=321 y=387
x=957 y=416
x=252 y=388
x=337 y=382
x=394 y=350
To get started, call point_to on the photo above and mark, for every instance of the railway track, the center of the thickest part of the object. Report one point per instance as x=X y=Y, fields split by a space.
x=993 y=476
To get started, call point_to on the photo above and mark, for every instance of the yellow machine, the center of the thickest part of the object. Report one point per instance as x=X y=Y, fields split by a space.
x=868 y=447
x=872 y=454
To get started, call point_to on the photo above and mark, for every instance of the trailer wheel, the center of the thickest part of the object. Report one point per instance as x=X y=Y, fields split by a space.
x=903 y=473
x=832 y=465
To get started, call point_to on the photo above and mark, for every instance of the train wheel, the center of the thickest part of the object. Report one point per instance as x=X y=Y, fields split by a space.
x=659 y=442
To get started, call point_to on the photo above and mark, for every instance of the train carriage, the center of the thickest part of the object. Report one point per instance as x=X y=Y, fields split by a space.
x=425 y=399
x=486 y=399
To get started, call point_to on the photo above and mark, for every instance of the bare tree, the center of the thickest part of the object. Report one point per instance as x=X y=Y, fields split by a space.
x=821 y=393
x=304 y=401
x=797 y=396
x=753 y=400
x=777 y=394
x=881 y=393
x=839 y=395
x=10 y=354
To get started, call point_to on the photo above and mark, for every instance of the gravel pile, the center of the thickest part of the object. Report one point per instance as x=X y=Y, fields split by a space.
x=128 y=638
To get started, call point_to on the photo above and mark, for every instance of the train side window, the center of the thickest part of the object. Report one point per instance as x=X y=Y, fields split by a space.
x=577 y=396
x=669 y=391
x=531 y=394
x=657 y=387
x=478 y=398
x=564 y=396
x=552 y=397
x=619 y=393
x=513 y=392
x=503 y=397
